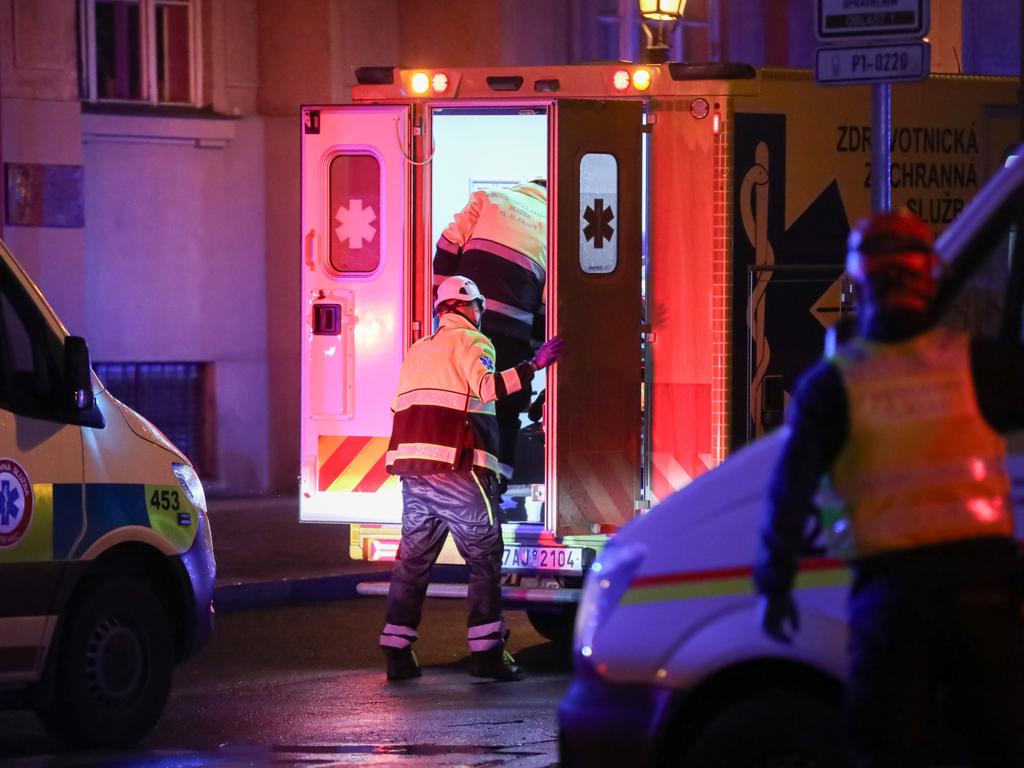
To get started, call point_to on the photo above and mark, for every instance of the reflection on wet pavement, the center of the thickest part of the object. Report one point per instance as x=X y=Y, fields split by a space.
x=539 y=755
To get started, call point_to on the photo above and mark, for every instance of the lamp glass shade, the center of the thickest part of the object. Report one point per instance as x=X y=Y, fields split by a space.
x=662 y=10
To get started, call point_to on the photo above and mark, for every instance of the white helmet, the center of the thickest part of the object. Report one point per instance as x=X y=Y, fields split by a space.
x=458 y=288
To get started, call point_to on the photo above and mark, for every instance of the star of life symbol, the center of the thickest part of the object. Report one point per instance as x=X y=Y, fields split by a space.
x=356 y=223
x=15 y=502
x=487 y=363
x=12 y=504
x=599 y=227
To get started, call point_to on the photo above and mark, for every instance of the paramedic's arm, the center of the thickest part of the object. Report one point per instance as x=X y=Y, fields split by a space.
x=493 y=386
x=998 y=371
x=817 y=424
x=484 y=383
x=456 y=235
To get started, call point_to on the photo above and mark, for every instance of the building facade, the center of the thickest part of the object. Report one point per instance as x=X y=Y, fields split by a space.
x=151 y=179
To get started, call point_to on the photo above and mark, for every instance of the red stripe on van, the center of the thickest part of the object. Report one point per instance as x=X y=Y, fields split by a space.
x=817 y=564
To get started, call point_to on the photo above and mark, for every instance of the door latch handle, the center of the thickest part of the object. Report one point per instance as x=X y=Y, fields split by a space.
x=310 y=244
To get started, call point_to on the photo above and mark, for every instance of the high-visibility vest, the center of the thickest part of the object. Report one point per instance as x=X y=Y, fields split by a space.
x=920 y=464
x=444 y=408
x=499 y=241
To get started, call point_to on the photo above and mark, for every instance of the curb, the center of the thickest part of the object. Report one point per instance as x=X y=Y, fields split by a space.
x=271 y=593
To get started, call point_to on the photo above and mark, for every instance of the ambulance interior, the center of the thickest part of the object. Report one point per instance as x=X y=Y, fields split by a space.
x=492 y=147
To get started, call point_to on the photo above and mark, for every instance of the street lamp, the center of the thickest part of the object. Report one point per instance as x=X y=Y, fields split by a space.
x=659 y=20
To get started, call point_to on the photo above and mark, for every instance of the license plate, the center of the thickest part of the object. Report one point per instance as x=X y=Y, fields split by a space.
x=543 y=559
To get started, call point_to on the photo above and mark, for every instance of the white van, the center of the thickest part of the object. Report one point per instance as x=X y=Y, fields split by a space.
x=671 y=665
x=106 y=558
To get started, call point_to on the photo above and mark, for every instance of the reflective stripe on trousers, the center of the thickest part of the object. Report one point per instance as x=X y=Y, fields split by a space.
x=395 y=636
x=484 y=637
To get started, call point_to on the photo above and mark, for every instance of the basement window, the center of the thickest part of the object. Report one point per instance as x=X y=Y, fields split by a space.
x=177 y=397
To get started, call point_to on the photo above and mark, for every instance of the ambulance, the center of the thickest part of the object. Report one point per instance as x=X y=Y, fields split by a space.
x=696 y=221
x=106 y=558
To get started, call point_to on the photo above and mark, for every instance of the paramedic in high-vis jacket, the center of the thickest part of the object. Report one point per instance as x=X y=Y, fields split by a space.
x=499 y=241
x=443 y=445
x=904 y=419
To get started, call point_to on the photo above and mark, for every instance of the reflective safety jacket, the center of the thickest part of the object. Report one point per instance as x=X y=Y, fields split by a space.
x=499 y=241
x=444 y=408
x=920 y=464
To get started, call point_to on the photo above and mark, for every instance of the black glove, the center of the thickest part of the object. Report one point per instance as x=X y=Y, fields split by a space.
x=773 y=612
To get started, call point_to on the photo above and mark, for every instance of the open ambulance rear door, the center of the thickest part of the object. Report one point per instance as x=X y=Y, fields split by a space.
x=595 y=294
x=356 y=307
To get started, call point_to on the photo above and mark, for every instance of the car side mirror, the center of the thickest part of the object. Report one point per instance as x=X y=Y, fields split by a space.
x=79 y=372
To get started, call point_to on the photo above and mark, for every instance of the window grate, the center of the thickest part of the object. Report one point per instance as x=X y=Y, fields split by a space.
x=174 y=396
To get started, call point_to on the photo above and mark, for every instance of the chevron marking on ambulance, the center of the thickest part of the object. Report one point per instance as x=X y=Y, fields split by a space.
x=607 y=487
x=722 y=582
x=353 y=463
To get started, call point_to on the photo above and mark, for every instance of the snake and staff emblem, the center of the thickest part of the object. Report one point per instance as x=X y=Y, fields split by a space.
x=754 y=213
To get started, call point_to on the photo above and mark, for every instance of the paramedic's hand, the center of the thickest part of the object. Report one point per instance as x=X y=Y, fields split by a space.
x=549 y=352
x=773 y=612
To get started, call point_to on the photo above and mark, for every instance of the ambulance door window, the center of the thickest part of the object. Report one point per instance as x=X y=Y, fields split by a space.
x=599 y=184
x=30 y=373
x=355 y=212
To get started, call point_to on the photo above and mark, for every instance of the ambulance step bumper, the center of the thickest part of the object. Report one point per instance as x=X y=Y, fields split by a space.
x=508 y=594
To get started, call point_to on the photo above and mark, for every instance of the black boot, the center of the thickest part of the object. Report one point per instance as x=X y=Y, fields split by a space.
x=496 y=663
x=402 y=664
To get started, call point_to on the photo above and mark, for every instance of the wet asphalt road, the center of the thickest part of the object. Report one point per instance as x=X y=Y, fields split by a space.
x=304 y=686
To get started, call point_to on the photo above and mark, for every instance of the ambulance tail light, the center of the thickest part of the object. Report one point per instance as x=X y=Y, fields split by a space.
x=716 y=122
x=620 y=80
x=439 y=82
x=382 y=550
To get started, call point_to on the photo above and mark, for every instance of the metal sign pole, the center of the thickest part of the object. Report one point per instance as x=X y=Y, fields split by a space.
x=881 y=147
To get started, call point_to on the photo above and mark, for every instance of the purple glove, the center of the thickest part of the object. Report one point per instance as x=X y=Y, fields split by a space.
x=549 y=352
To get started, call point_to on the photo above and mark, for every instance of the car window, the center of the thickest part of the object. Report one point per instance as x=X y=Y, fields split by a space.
x=30 y=356
x=978 y=306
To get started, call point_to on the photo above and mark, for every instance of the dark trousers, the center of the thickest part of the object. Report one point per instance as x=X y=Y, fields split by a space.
x=510 y=351
x=433 y=505
x=936 y=643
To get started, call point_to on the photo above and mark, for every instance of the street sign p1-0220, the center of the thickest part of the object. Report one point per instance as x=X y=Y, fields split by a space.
x=882 y=63
x=844 y=19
